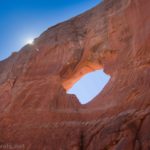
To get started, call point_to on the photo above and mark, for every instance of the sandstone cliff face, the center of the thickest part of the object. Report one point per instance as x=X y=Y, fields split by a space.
x=36 y=111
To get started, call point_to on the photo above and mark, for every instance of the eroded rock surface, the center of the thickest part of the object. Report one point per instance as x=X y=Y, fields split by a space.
x=35 y=110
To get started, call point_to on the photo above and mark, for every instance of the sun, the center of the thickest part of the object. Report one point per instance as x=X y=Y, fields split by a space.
x=29 y=41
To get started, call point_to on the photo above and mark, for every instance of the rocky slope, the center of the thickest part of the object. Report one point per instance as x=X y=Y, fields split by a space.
x=37 y=114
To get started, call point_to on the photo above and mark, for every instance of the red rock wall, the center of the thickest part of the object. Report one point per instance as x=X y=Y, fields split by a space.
x=37 y=113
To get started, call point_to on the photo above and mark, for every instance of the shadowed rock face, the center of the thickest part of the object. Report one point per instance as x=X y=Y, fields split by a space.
x=37 y=114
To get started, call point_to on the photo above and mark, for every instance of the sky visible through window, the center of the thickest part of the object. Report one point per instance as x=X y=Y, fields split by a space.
x=23 y=20
x=89 y=86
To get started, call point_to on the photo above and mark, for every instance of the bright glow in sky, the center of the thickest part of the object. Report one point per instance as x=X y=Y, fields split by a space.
x=29 y=41
x=89 y=86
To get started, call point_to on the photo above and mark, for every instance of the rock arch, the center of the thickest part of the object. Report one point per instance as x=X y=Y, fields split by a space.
x=118 y=118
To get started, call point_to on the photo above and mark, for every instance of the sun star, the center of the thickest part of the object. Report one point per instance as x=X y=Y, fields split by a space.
x=29 y=41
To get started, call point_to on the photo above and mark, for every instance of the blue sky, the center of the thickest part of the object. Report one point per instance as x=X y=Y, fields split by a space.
x=89 y=86
x=22 y=20
x=25 y=19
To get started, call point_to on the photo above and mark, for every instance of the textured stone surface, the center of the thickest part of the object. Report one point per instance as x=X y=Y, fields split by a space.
x=35 y=110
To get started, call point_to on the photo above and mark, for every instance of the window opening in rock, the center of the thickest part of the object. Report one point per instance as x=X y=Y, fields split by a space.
x=89 y=86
